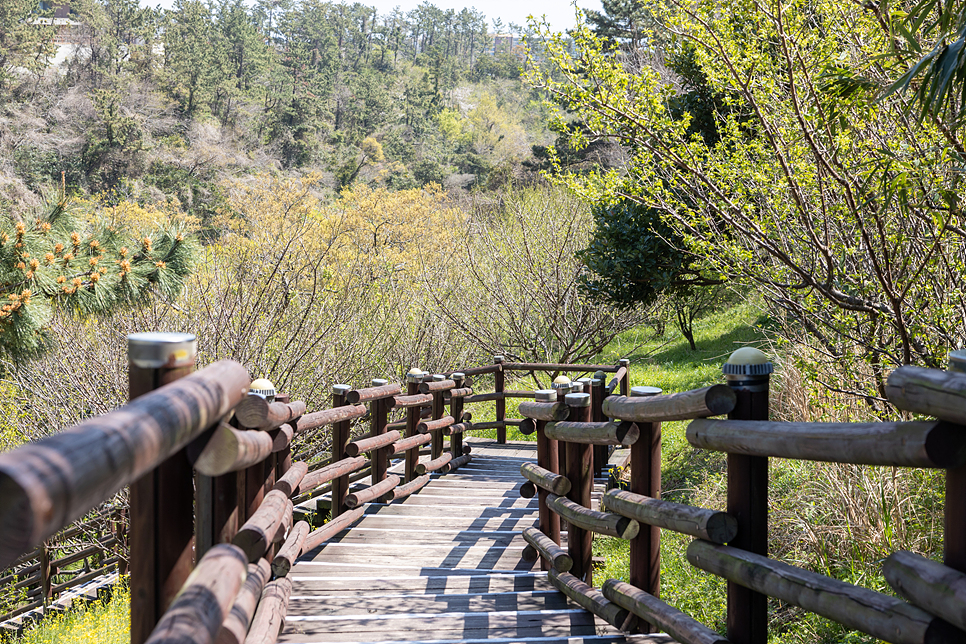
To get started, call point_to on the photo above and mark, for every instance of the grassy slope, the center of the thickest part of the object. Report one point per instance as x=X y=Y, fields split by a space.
x=97 y=623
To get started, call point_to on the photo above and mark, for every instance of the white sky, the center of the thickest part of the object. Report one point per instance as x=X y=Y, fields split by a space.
x=560 y=13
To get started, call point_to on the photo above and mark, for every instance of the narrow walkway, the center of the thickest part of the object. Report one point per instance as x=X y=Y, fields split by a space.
x=441 y=566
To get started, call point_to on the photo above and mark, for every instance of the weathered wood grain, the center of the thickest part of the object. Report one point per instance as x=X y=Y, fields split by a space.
x=235 y=627
x=856 y=608
x=716 y=527
x=608 y=523
x=937 y=589
x=933 y=392
x=553 y=483
x=652 y=610
x=715 y=400
x=254 y=412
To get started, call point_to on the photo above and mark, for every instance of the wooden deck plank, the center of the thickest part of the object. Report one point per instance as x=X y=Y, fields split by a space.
x=442 y=566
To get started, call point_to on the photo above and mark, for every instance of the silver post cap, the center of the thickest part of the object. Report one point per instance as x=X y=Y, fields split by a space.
x=341 y=390
x=154 y=350
x=577 y=400
x=379 y=382
x=545 y=395
x=641 y=391
x=414 y=375
x=623 y=362
x=438 y=377
x=957 y=360
x=576 y=387
x=458 y=375
x=498 y=359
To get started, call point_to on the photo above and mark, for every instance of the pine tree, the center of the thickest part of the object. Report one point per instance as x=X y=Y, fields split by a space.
x=53 y=259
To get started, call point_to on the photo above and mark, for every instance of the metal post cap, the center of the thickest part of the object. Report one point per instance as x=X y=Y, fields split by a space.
x=623 y=362
x=458 y=375
x=642 y=391
x=545 y=395
x=747 y=361
x=154 y=350
x=957 y=360
x=438 y=377
x=498 y=359
x=577 y=387
x=600 y=376
x=414 y=375
x=263 y=387
x=341 y=390
x=379 y=382
x=561 y=381
x=577 y=400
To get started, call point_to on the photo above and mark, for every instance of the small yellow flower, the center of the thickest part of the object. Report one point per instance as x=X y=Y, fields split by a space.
x=123 y=251
x=146 y=242
x=61 y=279
x=93 y=261
x=94 y=243
x=160 y=264
x=49 y=258
x=75 y=239
x=34 y=264
x=58 y=249
x=21 y=229
x=95 y=277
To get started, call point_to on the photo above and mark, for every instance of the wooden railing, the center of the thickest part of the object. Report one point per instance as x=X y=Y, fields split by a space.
x=733 y=544
x=213 y=484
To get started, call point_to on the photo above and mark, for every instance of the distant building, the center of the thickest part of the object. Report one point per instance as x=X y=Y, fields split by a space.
x=502 y=43
x=61 y=16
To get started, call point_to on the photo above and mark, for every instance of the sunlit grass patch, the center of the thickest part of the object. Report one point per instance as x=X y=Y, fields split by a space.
x=100 y=622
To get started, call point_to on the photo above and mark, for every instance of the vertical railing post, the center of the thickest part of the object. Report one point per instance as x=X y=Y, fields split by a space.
x=340 y=437
x=625 y=382
x=499 y=386
x=747 y=373
x=283 y=457
x=216 y=511
x=954 y=514
x=45 y=573
x=162 y=501
x=379 y=417
x=439 y=410
x=601 y=452
x=645 y=555
x=547 y=459
x=562 y=386
x=581 y=474
x=456 y=411
x=413 y=378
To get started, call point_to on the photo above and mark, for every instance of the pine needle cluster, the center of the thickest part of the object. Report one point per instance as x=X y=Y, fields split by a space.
x=53 y=259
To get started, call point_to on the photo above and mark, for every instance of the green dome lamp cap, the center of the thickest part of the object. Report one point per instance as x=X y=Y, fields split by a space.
x=957 y=360
x=263 y=387
x=748 y=361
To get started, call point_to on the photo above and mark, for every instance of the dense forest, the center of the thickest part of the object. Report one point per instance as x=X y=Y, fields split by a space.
x=151 y=104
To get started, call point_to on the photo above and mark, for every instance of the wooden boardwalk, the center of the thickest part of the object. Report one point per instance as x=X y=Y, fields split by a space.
x=443 y=565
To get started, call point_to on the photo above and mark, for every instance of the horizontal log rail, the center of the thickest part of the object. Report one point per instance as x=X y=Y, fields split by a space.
x=928 y=584
x=435 y=425
x=331 y=472
x=401 y=446
x=462 y=392
x=914 y=444
x=606 y=523
x=551 y=411
x=229 y=450
x=357 y=498
x=416 y=400
x=51 y=482
x=402 y=491
x=434 y=464
x=356 y=396
x=716 y=527
x=234 y=629
x=324 y=417
x=435 y=386
x=698 y=403
x=544 y=547
x=881 y=616
x=558 y=366
x=549 y=481
x=600 y=433
x=458 y=428
x=457 y=462
x=590 y=598
x=355 y=448
x=255 y=412
x=941 y=394
x=679 y=625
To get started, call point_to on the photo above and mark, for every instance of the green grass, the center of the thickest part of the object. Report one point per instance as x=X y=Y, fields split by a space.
x=101 y=622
